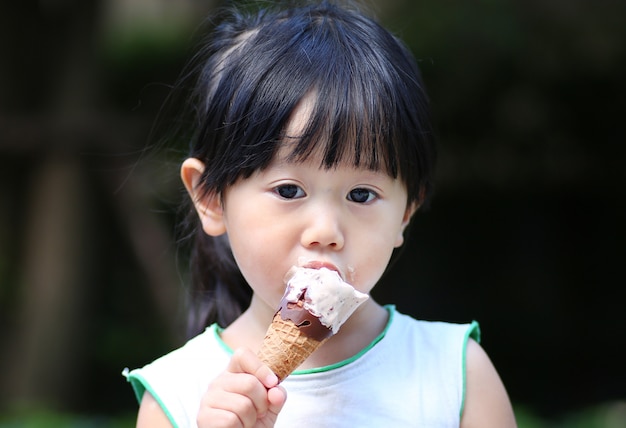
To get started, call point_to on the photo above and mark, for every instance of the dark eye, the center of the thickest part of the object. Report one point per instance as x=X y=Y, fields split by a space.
x=361 y=195
x=289 y=191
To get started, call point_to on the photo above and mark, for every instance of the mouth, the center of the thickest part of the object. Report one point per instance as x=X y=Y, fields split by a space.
x=316 y=264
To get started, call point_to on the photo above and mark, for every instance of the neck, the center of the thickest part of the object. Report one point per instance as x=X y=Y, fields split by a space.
x=249 y=329
x=367 y=322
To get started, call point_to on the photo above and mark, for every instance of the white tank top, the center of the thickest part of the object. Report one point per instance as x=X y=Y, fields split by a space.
x=413 y=374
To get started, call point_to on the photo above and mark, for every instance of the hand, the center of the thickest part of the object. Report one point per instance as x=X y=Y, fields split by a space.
x=246 y=395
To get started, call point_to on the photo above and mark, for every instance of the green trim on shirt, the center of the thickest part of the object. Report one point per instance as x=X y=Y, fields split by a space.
x=391 y=309
x=472 y=332
x=217 y=333
x=140 y=386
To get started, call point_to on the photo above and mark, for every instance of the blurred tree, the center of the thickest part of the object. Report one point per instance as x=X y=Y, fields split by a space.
x=80 y=233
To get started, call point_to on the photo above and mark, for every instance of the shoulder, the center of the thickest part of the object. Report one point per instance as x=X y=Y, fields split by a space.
x=438 y=354
x=439 y=334
x=437 y=345
x=174 y=383
x=151 y=415
x=204 y=350
x=486 y=401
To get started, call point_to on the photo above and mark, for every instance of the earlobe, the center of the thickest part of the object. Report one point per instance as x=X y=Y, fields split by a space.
x=208 y=206
x=406 y=219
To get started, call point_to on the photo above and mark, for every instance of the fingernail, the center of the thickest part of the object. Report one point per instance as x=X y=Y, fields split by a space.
x=271 y=380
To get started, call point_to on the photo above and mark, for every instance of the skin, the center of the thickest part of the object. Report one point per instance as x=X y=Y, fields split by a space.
x=346 y=218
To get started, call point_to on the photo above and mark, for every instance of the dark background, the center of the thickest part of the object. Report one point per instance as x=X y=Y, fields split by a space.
x=525 y=233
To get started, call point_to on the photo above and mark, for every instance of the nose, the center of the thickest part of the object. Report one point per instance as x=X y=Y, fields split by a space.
x=323 y=229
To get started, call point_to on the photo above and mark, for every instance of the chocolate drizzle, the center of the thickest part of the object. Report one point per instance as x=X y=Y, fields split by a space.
x=308 y=323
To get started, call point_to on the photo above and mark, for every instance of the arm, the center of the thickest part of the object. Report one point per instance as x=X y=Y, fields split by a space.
x=486 y=401
x=150 y=414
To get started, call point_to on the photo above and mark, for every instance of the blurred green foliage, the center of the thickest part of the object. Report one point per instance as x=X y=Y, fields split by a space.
x=610 y=415
x=42 y=418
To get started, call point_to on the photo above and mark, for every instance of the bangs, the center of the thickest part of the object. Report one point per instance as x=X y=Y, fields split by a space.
x=368 y=107
x=356 y=116
x=347 y=125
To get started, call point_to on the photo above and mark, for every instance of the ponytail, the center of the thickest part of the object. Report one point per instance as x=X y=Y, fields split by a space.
x=218 y=292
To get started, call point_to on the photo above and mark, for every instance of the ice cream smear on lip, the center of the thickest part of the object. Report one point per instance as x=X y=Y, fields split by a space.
x=322 y=293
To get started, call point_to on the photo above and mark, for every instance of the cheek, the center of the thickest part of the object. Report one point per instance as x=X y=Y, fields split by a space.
x=257 y=246
x=373 y=257
x=372 y=265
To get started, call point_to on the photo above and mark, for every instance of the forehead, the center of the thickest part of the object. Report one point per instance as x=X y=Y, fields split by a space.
x=301 y=116
x=312 y=133
x=285 y=157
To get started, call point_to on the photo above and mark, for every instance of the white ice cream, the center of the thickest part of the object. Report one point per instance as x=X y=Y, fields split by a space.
x=327 y=296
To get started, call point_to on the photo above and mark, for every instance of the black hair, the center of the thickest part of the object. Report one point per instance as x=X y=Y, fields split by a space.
x=370 y=109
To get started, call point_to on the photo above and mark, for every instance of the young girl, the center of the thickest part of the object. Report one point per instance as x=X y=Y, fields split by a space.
x=312 y=146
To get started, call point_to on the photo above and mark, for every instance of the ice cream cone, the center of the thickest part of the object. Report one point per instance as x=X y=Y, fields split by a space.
x=315 y=304
x=285 y=346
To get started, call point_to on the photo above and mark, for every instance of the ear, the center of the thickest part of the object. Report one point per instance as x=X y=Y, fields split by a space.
x=208 y=206
x=406 y=219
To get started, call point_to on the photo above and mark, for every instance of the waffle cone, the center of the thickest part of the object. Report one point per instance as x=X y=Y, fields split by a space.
x=285 y=347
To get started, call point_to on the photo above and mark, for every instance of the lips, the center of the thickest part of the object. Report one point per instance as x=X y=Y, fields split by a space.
x=316 y=264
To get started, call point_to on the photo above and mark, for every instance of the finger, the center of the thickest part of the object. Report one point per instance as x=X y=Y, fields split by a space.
x=227 y=410
x=276 y=397
x=247 y=393
x=218 y=418
x=245 y=361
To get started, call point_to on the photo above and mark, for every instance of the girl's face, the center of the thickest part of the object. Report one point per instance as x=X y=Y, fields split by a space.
x=296 y=213
x=289 y=214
